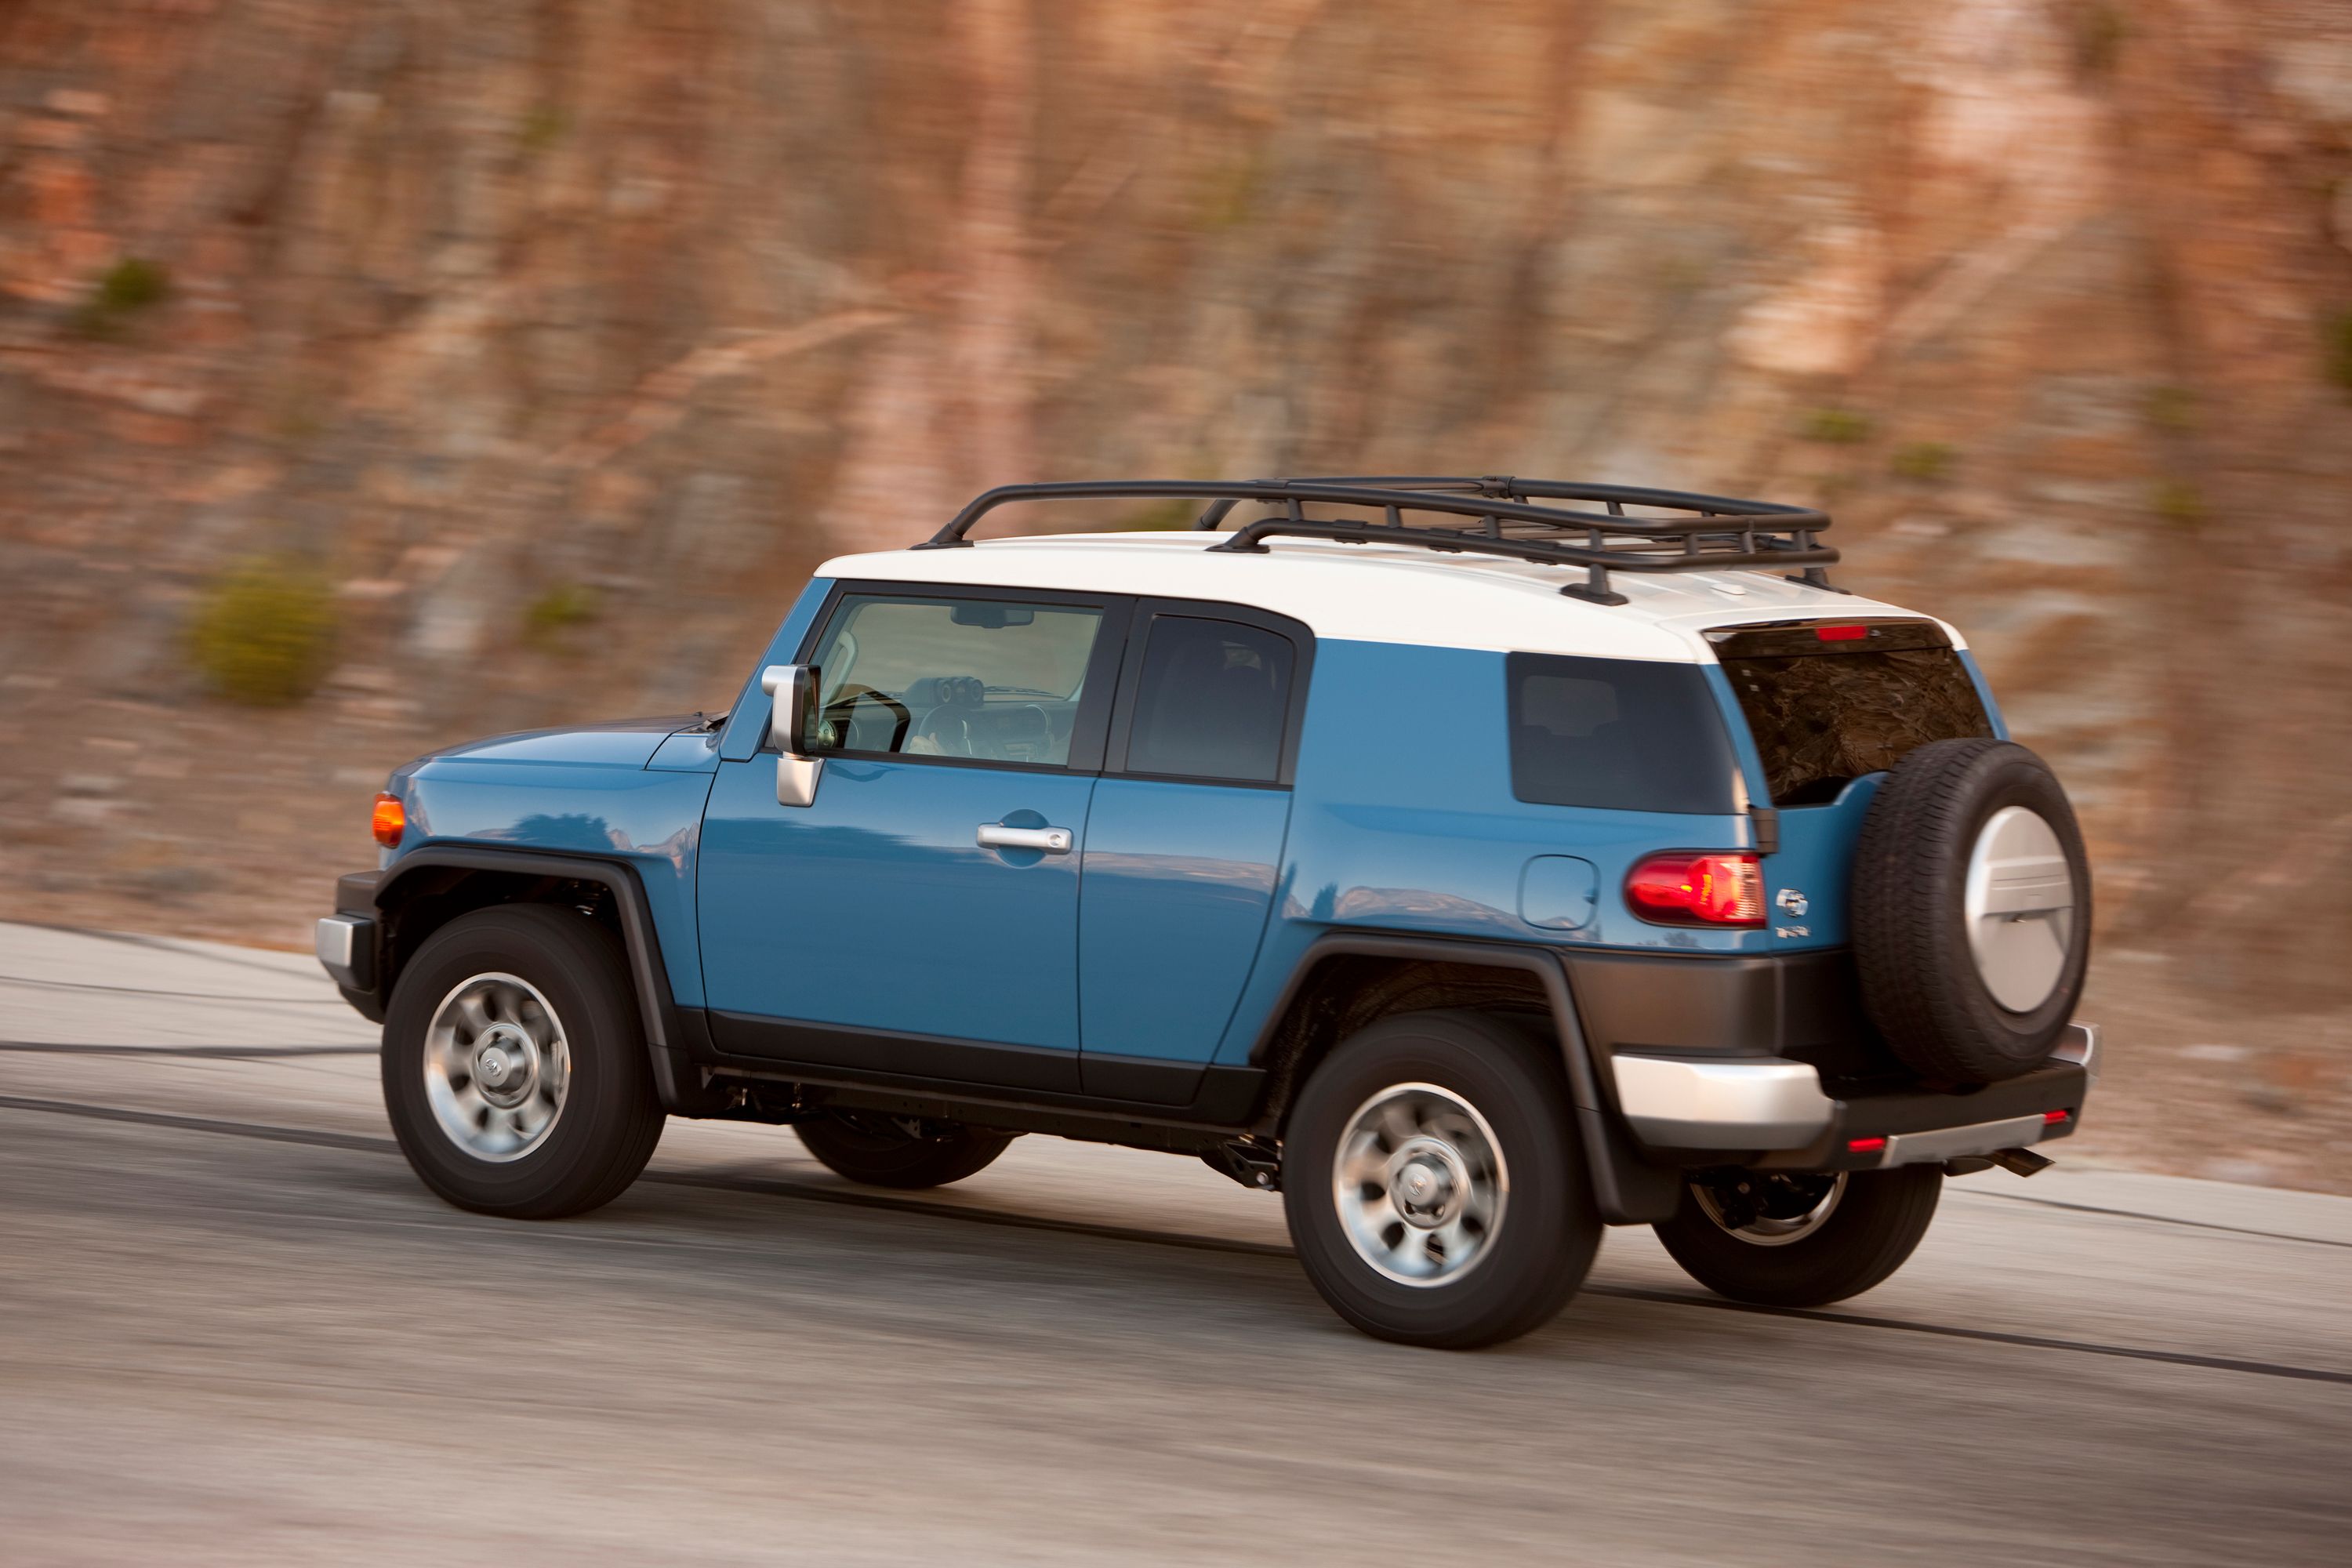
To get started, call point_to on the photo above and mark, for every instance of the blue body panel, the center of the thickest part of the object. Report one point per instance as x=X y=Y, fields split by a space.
x=1404 y=821
x=1176 y=886
x=1984 y=693
x=1172 y=929
x=691 y=752
x=1559 y=892
x=595 y=797
x=875 y=908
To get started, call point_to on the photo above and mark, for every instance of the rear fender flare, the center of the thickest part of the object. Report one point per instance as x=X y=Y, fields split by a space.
x=1627 y=1190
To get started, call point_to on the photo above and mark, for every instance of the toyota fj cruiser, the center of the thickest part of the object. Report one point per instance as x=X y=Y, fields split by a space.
x=1474 y=870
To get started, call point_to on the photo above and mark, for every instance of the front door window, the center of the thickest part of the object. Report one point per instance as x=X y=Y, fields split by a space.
x=971 y=679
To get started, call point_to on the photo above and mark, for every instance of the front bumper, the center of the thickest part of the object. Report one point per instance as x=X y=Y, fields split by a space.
x=348 y=942
x=1771 y=1113
x=346 y=949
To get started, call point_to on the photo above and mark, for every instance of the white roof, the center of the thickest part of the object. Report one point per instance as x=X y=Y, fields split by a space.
x=1384 y=593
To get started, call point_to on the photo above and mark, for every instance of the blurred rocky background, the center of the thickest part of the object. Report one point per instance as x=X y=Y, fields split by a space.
x=379 y=373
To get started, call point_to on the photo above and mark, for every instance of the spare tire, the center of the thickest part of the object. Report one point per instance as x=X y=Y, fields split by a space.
x=1971 y=904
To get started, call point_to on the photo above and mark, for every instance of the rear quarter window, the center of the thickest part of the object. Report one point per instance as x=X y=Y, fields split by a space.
x=1618 y=734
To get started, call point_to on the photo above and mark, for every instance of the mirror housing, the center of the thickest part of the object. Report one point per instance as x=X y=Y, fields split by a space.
x=791 y=687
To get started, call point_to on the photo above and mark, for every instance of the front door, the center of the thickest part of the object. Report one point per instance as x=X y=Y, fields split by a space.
x=919 y=917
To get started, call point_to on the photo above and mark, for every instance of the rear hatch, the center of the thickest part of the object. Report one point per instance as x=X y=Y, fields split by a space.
x=1829 y=702
x=1830 y=705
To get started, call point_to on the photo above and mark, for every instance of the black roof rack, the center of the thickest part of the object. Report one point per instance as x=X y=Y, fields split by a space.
x=1707 y=533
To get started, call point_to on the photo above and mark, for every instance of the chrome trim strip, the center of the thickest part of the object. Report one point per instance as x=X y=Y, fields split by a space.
x=2079 y=1044
x=1051 y=840
x=1952 y=1142
x=346 y=948
x=1749 y=1102
x=797 y=779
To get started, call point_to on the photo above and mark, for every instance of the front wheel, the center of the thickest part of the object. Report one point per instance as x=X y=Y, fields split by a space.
x=1801 y=1240
x=514 y=1071
x=1433 y=1183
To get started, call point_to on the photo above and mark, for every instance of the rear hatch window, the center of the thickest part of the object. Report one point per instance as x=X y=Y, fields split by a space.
x=1620 y=735
x=1830 y=701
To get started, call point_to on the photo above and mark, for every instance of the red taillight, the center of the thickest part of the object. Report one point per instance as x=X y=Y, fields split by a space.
x=2052 y=1118
x=390 y=821
x=1840 y=634
x=1865 y=1145
x=1688 y=888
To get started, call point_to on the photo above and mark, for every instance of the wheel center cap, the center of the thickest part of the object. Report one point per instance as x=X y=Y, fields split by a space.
x=1423 y=1183
x=504 y=1064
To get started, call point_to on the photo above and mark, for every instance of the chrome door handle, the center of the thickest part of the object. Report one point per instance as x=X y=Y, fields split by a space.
x=1052 y=841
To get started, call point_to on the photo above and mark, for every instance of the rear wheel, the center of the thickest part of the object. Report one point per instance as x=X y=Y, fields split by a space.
x=1801 y=1240
x=1434 y=1183
x=514 y=1071
x=900 y=1152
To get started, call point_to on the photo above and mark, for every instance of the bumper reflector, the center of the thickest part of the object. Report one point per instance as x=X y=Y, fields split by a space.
x=1865 y=1145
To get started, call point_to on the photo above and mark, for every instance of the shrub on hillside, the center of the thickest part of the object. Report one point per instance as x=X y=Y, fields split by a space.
x=265 y=631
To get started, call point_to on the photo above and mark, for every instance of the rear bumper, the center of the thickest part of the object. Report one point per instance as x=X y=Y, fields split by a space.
x=1771 y=1113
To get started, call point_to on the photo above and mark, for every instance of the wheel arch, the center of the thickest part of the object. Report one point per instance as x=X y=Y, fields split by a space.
x=428 y=888
x=1347 y=980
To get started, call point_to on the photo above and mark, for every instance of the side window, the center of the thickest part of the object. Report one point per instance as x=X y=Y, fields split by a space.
x=1212 y=701
x=989 y=680
x=1621 y=734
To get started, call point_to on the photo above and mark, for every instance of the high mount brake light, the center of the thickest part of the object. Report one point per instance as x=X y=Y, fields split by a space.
x=390 y=820
x=1686 y=888
x=1840 y=634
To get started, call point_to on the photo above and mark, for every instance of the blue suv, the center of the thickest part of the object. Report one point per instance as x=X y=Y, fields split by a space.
x=1477 y=862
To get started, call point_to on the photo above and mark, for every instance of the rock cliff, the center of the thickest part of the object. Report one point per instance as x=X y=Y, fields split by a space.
x=559 y=340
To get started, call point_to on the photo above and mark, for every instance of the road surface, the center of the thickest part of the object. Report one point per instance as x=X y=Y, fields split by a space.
x=233 y=1329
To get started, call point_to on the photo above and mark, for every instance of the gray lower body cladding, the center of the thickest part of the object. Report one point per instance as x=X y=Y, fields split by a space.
x=1803 y=1006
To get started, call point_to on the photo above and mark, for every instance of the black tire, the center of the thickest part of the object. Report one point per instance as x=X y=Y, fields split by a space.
x=1921 y=983
x=1543 y=1238
x=609 y=1117
x=867 y=1147
x=1877 y=1223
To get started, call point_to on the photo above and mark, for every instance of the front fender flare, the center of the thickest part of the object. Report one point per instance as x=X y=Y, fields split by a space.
x=672 y=1033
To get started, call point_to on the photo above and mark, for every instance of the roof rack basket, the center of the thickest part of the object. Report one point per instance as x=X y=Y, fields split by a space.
x=1698 y=533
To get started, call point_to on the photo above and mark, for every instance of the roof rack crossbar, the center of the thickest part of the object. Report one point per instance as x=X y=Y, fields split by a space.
x=1724 y=533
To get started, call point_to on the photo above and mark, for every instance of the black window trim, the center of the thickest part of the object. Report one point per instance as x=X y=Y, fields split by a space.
x=1131 y=679
x=1087 y=732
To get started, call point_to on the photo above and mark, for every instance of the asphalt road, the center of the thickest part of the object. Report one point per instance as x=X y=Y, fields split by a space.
x=233 y=1329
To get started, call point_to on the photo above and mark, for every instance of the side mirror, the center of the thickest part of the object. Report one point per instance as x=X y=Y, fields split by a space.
x=791 y=687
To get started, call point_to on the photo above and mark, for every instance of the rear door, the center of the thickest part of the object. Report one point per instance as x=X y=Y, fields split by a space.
x=1184 y=841
x=920 y=917
x=1831 y=706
